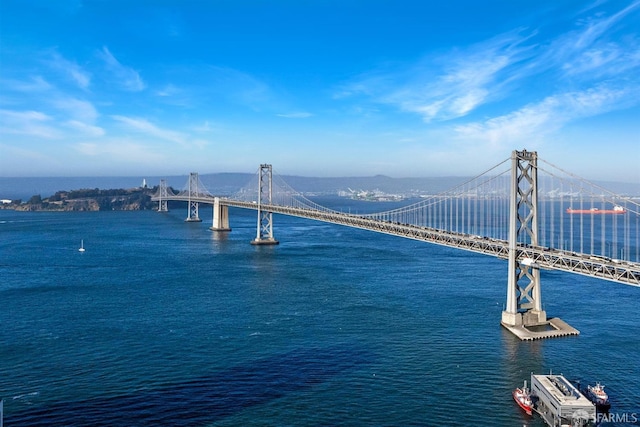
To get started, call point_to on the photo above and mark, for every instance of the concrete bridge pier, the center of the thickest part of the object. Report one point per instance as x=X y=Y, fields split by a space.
x=220 y=216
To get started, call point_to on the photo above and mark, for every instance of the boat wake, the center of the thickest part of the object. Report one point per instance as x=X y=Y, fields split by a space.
x=26 y=398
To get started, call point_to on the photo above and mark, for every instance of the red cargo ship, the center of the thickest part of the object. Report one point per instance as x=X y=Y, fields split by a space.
x=596 y=211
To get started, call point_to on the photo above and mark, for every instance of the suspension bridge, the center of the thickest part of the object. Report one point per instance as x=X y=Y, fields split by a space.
x=525 y=210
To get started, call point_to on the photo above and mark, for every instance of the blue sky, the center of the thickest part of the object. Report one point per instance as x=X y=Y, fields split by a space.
x=318 y=88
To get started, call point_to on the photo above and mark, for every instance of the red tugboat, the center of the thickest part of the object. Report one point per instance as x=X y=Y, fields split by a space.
x=522 y=396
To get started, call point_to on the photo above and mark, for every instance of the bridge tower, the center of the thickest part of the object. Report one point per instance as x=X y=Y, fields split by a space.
x=265 y=217
x=524 y=300
x=192 y=214
x=162 y=200
x=524 y=305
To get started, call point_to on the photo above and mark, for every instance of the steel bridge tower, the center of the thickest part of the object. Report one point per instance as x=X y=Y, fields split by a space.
x=164 y=195
x=524 y=300
x=264 y=234
x=192 y=214
x=524 y=305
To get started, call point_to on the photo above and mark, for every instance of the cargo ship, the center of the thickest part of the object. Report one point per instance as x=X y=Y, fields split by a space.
x=596 y=211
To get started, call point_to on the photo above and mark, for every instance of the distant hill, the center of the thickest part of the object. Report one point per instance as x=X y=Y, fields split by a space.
x=229 y=183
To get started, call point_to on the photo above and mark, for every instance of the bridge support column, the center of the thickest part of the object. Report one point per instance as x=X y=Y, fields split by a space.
x=264 y=234
x=220 y=216
x=524 y=301
x=192 y=214
x=162 y=200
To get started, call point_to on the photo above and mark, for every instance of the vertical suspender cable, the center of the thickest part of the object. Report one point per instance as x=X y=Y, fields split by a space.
x=552 y=218
x=603 y=234
x=561 y=209
x=581 y=221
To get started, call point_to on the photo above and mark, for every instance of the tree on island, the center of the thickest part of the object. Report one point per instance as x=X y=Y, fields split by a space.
x=35 y=200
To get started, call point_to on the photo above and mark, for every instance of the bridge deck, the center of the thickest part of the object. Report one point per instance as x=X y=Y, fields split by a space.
x=548 y=258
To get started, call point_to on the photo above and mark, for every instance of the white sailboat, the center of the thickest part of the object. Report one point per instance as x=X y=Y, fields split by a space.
x=81 y=246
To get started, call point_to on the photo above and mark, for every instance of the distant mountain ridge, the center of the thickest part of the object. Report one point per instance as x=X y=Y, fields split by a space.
x=228 y=183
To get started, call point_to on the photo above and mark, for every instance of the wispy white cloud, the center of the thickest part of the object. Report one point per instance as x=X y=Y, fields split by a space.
x=296 y=115
x=84 y=129
x=463 y=86
x=594 y=28
x=128 y=78
x=200 y=143
x=452 y=86
x=444 y=88
x=76 y=117
x=146 y=127
x=206 y=127
x=600 y=70
x=123 y=151
x=29 y=123
x=604 y=61
x=59 y=115
x=34 y=84
x=24 y=116
x=168 y=90
x=594 y=60
x=240 y=88
x=81 y=77
x=536 y=120
x=180 y=96
x=26 y=154
x=75 y=108
x=588 y=52
x=213 y=86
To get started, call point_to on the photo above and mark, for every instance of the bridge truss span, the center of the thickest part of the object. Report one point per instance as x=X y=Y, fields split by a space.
x=545 y=258
x=534 y=217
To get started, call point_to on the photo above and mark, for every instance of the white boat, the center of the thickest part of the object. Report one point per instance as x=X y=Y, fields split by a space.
x=81 y=246
x=598 y=396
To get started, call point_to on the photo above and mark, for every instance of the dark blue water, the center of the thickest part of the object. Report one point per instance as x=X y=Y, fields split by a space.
x=162 y=322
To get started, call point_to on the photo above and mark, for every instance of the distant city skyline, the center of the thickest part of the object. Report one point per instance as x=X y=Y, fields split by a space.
x=318 y=88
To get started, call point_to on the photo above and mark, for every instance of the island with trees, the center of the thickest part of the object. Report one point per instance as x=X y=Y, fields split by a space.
x=131 y=199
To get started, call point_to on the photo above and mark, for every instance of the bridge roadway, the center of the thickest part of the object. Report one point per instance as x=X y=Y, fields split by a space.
x=546 y=258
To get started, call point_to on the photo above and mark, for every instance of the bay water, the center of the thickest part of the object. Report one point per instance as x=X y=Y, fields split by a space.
x=166 y=323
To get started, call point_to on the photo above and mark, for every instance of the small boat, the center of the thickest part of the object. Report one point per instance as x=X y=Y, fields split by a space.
x=81 y=246
x=598 y=396
x=522 y=396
